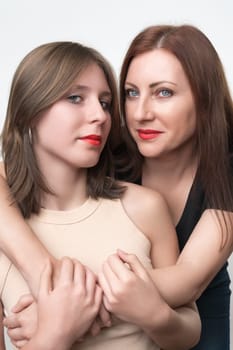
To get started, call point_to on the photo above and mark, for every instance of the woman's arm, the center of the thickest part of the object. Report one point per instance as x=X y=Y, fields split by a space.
x=186 y=281
x=129 y=291
x=17 y=240
x=2 y=341
x=66 y=310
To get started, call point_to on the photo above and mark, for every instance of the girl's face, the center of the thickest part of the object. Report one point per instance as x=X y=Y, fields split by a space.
x=74 y=130
x=159 y=105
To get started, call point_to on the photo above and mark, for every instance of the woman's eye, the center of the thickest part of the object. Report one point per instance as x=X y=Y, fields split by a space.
x=75 y=98
x=165 y=93
x=131 y=93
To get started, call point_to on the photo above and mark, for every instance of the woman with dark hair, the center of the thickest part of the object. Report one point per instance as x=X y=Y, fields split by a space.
x=178 y=117
x=61 y=126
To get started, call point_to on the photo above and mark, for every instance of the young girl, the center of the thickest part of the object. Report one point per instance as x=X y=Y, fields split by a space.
x=62 y=122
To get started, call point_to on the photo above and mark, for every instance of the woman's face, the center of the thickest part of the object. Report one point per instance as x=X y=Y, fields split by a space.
x=159 y=105
x=74 y=130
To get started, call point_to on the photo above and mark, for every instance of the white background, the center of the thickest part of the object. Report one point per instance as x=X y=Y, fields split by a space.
x=106 y=25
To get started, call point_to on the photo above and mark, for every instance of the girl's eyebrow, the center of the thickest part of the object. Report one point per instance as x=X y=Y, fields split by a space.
x=87 y=88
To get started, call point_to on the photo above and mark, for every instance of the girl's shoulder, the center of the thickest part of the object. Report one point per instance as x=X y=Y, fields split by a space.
x=141 y=194
x=144 y=206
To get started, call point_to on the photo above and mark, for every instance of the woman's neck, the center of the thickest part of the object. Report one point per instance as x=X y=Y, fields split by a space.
x=169 y=170
x=172 y=177
x=68 y=187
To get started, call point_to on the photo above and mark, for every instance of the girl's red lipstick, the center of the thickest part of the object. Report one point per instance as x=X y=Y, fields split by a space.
x=92 y=139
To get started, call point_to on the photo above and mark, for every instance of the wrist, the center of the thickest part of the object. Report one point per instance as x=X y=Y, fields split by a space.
x=47 y=341
x=158 y=320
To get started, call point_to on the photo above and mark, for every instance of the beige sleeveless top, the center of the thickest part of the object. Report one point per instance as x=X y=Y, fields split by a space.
x=89 y=233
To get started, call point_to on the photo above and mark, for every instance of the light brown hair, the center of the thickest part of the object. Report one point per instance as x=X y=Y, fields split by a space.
x=41 y=79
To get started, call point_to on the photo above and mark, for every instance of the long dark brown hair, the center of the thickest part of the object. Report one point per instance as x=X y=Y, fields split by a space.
x=41 y=79
x=213 y=102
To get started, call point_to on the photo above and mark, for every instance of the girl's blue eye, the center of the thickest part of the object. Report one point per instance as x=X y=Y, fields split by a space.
x=74 y=98
x=131 y=93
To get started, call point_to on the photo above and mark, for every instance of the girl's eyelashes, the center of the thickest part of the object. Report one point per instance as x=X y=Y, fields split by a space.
x=74 y=98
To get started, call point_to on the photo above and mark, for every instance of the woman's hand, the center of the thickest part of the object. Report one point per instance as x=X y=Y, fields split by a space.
x=129 y=291
x=22 y=323
x=102 y=320
x=66 y=308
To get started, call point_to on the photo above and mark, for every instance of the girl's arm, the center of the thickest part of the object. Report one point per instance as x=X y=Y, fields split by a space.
x=186 y=281
x=17 y=240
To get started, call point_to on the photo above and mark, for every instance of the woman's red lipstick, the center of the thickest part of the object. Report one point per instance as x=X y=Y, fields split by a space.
x=148 y=134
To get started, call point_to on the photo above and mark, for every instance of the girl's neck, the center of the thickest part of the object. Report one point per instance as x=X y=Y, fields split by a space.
x=69 y=187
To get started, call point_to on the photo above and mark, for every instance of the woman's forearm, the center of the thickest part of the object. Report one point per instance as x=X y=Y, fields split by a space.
x=172 y=327
x=18 y=242
x=178 y=284
x=2 y=342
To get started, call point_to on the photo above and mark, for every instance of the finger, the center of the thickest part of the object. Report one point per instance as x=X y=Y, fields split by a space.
x=134 y=263
x=95 y=328
x=15 y=334
x=19 y=344
x=66 y=271
x=103 y=282
x=104 y=316
x=23 y=302
x=90 y=282
x=109 y=272
x=79 y=273
x=46 y=279
x=98 y=295
x=118 y=267
x=11 y=322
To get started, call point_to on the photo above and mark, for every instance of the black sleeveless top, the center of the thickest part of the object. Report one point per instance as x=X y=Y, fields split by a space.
x=215 y=300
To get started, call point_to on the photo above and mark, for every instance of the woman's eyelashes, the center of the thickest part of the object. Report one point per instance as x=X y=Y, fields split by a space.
x=131 y=93
x=161 y=92
x=164 y=92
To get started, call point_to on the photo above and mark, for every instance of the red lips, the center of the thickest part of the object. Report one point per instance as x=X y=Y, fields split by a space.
x=148 y=134
x=92 y=139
